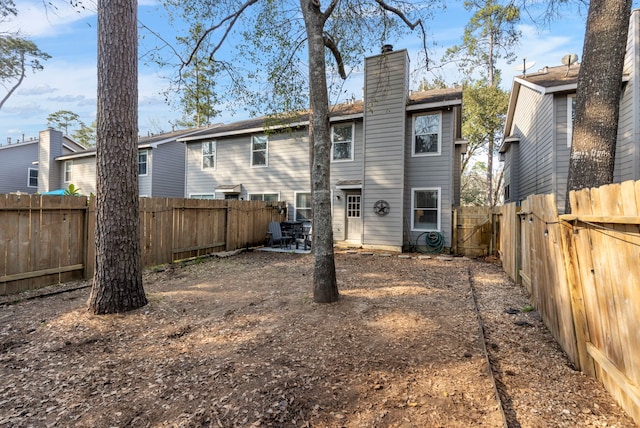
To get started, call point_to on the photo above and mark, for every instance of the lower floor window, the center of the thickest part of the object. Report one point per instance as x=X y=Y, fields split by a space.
x=425 y=209
x=270 y=197
x=202 y=196
x=33 y=177
x=303 y=206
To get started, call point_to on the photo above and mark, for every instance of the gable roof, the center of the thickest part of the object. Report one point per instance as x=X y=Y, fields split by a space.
x=149 y=142
x=420 y=100
x=546 y=81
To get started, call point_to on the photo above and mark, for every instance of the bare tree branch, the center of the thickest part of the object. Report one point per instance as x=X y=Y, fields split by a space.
x=412 y=25
x=327 y=13
x=233 y=18
x=331 y=45
x=14 y=87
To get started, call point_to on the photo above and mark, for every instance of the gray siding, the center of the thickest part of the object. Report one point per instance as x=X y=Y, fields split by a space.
x=432 y=172
x=627 y=152
x=15 y=161
x=349 y=170
x=533 y=123
x=49 y=148
x=287 y=171
x=167 y=170
x=562 y=149
x=385 y=130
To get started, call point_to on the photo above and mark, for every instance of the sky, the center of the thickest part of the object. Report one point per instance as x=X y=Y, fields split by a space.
x=68 y=80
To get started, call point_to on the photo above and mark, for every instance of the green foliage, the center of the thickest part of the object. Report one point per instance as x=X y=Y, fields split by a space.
x=17 y=55
x=63 y=119
x=72 y=190
x=490 y=34
x=85 y=135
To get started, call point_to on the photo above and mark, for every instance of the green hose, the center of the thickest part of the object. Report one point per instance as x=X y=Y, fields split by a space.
x=433 y=242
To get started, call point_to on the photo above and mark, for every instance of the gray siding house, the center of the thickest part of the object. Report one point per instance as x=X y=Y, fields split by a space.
x=161 y=167
x=538 y=127
x=395 y=160
x=25 y=166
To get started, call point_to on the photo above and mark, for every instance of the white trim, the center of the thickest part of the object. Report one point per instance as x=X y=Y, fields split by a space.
x=147 y=163
x=214 y=149
x=192 y=195
x=413 y=209
x=262 y=193
x=295 y=203
x=439 y=104
x=570 y=98
x=29 y=177
x=64 y=171
x=353 y=131
x=266 y=152
x=413 y=134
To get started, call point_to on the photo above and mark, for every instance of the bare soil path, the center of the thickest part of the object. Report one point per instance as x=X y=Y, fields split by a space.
x=237 y=342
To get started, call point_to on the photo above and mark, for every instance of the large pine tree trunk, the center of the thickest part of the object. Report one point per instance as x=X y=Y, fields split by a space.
x=595 y=126
x=117 y=283
x=325 y=288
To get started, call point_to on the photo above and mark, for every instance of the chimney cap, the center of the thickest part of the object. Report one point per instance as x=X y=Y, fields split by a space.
x=387 y=48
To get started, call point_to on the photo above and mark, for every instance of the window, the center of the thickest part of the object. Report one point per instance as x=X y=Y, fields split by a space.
x=425 y=209
x=303 y=206
x=342 y=142
x=353 y=206
x=202 y=196
x=68 y=165
x=32 y=179
x=426 y=134
x=259 y=150
x=272 y=197
x=571 y=114
x=209 y=155
x=143 y=157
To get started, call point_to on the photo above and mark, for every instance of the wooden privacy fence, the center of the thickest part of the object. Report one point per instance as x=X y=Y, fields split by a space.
x=49 y=239
x=583 y=273
x=473 y=231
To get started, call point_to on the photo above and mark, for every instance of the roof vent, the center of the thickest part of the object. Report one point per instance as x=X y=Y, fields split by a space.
x=387 y=48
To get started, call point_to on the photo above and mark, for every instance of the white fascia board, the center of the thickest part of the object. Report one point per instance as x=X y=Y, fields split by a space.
x=425 y=106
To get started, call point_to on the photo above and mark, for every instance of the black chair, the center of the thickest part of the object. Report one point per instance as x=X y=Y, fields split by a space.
x=276 y=237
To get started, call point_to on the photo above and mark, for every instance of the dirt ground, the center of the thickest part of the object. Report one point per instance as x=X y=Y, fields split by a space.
x=238 y=342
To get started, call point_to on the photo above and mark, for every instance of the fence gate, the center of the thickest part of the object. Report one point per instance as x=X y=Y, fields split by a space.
x=472 y=231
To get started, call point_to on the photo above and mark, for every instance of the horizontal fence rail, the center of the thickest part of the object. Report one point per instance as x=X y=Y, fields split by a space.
x=45 y=240
x=583 y=273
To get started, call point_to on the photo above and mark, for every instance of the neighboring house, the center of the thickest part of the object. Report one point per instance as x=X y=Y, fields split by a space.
x=20 y=168
x=539 y=124
x=160 y=166
x=395 y=160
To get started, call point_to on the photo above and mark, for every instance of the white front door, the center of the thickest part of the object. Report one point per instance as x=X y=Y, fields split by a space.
x=354 y=216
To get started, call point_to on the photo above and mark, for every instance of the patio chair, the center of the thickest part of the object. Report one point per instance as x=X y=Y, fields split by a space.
x=276 y=238
x=305 y=240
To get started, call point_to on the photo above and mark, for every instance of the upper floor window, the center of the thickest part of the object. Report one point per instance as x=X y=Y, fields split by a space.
x=32 y=180
x=342 y=142
x=143 y=160
x=259 y=150
x=427 y=134
x=571 y=114
x=425 y=209
x=68 y=165
x=208 y=154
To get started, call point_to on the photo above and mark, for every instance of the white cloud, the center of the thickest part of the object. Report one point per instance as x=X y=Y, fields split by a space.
x=35 y=19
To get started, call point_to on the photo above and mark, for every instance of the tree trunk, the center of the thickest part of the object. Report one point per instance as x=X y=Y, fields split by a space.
x=595 y=126
x=325 y=287
x=117 y=283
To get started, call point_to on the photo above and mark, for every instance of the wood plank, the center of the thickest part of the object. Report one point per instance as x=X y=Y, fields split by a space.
x=601 y=219
x=35 y=274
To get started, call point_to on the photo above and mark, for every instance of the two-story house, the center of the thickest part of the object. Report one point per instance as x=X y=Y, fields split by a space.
x=20 y=166
x=539 y=124
x=395 y=160
x=53 y=161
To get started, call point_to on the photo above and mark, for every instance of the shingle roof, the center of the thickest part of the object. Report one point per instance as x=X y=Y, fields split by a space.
x=348 y=109
x=554 y=76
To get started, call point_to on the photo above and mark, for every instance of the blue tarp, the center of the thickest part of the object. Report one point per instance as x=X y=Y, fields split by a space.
x=58 y=192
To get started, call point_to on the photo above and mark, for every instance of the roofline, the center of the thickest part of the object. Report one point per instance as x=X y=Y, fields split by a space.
x=423 y=106
x=258 y=129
